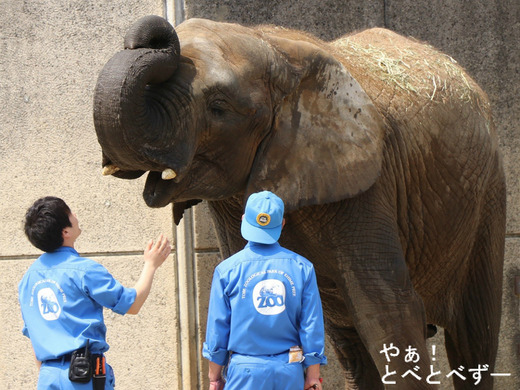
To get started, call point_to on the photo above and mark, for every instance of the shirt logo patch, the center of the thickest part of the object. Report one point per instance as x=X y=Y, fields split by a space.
x=48 y=304
x=269 y=297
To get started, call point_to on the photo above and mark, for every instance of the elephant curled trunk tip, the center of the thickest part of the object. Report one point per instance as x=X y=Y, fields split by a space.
x=125 y=107
x=152 y=32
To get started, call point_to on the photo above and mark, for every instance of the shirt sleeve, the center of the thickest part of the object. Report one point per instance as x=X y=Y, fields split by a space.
x=215 y=347
x=25 y=331
x=312 y=331
x=101 y=286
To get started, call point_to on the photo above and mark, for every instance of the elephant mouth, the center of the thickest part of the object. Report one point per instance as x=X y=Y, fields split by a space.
x=166 y=181
x=158 y=192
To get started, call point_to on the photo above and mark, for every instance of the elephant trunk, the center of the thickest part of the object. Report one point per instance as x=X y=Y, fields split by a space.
x=128 y=114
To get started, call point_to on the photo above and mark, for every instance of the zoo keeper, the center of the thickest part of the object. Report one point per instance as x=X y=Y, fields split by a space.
x=265 y=320
x=62 y=296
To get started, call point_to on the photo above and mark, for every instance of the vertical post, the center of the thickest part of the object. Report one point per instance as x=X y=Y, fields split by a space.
x=188 y=345
x=174 y=11
x=188 y=350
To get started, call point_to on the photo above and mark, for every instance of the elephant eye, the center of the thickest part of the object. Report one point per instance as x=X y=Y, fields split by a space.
x=218 y=108
x=217 y=111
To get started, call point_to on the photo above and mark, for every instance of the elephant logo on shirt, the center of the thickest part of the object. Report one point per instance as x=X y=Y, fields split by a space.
x=48 y=304
x=269 y=297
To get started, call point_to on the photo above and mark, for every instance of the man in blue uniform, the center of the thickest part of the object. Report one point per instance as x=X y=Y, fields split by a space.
x=62 y=296
x=265 y=319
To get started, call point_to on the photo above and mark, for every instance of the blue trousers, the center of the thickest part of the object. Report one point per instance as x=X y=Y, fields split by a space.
x=263 y=372
x=54 y=375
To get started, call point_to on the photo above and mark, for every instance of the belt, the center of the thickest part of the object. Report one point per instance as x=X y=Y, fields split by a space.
x=61 y=359
x=98 y=368
x=68 y=356
x=238 y=357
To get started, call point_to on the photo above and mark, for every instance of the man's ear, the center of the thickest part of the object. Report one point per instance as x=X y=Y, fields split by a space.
x=65 y=233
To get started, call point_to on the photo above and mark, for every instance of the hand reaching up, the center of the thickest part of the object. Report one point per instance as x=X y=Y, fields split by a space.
x=156 y=252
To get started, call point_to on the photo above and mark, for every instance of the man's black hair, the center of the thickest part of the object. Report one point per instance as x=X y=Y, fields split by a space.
x=45 y=221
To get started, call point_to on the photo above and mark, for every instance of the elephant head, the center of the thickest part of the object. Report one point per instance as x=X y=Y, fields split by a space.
x=233 y=110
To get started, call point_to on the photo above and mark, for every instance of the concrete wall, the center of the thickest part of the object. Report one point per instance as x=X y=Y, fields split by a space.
x=51 y=53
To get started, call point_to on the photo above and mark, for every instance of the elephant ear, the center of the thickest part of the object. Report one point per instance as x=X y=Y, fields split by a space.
x=327 y=136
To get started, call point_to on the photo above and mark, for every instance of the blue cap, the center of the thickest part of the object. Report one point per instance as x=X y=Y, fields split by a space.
x=263 y=218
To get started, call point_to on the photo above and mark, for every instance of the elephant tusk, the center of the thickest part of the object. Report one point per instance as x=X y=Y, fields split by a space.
x=109 y=170
x=168 y=174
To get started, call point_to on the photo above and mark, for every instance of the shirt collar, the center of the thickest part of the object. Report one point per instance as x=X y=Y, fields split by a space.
x=65 y=249
x=257 y=244
x=60 y=255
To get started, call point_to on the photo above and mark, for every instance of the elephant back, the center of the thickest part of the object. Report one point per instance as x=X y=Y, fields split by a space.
x=409 y=79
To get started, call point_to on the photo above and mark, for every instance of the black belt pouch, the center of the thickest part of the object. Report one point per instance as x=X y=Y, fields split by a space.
x=99 y=374
x=98 y=383
x=80 y=369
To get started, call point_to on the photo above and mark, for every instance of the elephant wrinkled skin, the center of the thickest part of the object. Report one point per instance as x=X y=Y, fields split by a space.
x=382 y=148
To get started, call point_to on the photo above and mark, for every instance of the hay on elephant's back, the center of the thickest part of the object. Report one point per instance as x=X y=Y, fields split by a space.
x=420 y=73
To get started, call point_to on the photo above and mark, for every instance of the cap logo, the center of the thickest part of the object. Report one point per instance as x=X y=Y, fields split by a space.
x=263 y=219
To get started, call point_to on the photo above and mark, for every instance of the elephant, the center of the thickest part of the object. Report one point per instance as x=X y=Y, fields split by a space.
x=382 y=148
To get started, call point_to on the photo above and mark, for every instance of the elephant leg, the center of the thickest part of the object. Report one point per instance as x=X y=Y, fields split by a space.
x=472 y=337
x=472 y=341
x=394 y=333
x=388 y=314
x=361 y=252
x=389 y=318
x=360 y=370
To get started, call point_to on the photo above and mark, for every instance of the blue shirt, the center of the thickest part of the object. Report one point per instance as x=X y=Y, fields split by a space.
x=62 y=296
x=264 y=300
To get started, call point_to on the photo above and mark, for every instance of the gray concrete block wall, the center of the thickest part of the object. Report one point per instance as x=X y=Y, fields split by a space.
x=51 y=54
